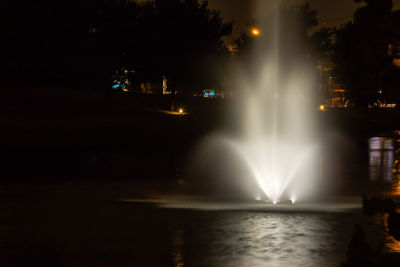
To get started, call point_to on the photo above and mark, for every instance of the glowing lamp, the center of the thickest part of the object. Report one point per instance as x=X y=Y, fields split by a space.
x=255 y=32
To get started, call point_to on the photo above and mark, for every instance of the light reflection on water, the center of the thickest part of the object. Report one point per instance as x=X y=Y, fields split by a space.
x=384 y=165
x=384 y=161
x=177 y=253
x=264 y=239
x=279 y=239
x=392 y=244
x=396 y=168
x=381 y=150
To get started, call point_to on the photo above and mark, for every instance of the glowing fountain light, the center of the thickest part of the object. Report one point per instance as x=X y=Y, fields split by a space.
x=276 y=142
x=274 y=149
x=275 y=166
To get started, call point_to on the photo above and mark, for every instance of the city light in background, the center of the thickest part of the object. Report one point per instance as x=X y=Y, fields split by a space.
x=255 y=32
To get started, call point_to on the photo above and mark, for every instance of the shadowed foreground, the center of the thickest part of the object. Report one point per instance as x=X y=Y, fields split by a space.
x=82 y=225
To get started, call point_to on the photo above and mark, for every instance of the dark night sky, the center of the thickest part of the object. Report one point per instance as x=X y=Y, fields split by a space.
x=330 y=12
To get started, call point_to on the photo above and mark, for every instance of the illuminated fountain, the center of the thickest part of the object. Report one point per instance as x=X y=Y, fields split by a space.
x=276 y=142
x=267 y=150
x=272 y=155
x=276 y=139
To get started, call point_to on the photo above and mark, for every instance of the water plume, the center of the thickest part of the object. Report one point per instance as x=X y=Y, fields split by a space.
x=275 y=107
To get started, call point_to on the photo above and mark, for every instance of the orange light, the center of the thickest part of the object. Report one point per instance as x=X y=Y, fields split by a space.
x=255 y=32
x=322 y=107
x=396 y=62
x=392 y=244
x=181 y=111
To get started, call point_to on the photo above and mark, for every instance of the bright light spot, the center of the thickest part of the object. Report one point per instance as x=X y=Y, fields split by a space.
x=258 y=198
x=396 y=62
x=255 y=32
x=275 y=202
x=293 y=200
x=209 y=93
x=322 y=108
x=177 y=112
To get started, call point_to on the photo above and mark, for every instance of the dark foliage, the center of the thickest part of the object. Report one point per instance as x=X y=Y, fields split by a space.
x=361 y=53
x=78 y=43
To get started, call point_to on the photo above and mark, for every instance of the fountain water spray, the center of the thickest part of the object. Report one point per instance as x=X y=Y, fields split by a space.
x=276 y=113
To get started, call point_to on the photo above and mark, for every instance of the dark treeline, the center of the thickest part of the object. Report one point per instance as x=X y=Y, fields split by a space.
x=79 y=43
x=365 y=51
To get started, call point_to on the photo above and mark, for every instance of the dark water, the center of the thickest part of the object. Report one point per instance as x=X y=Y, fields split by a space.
x=73 y=230
x=260 y=239
x=84 y=225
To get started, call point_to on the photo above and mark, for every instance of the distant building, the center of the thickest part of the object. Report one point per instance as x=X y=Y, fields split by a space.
x=140 y=82
x=332 y=94
x=165 y=86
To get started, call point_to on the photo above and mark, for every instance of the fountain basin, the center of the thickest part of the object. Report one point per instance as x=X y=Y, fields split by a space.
x=203 y=203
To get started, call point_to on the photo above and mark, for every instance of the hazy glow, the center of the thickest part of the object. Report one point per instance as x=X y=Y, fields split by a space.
x=255 y=32
x=179 y=112
x=272 y=164
x=277 y=139
x=396 y=62
x=273 y=153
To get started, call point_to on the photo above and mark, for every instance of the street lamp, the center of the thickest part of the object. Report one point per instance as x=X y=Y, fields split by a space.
x=255 y=32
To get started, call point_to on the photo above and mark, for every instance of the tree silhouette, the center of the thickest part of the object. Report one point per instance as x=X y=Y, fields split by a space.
x=78 y=43
x=186 y=40
x=361 y=56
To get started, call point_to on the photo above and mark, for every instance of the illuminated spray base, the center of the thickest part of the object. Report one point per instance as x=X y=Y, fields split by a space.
x=276 y=143
x=268 y=164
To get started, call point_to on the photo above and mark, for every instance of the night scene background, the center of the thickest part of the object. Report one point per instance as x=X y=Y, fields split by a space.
x=200 y=133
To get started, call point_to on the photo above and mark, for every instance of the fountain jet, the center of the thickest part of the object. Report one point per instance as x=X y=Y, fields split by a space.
x=276 y=140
